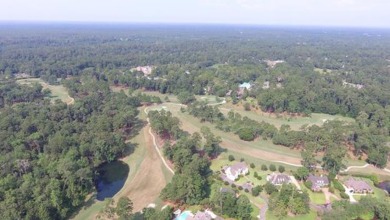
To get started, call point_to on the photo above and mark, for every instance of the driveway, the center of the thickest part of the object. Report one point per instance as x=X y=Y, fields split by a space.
x=350 y=194
x=295 y=182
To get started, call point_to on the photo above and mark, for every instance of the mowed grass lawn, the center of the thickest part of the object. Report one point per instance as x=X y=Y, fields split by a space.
x=211 y=99
x=295 y=122
x=192 y=124
x=315 y=197
x=312 y=215
x=57 y=91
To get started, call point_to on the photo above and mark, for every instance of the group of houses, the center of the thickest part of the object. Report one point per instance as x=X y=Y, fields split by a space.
x=231 y=173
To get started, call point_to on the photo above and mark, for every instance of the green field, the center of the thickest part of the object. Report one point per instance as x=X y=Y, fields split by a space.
x=192 y=124
x=315 y=197
x=295 y=122
x=311 y=216
x=57 y=91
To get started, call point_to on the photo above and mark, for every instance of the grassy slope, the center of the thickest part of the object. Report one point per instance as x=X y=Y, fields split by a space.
x=295 y=122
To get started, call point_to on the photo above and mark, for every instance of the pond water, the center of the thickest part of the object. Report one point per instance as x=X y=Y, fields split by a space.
x=112 y=178
x=385 y=186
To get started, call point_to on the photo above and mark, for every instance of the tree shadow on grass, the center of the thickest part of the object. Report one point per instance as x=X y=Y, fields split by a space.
x=136 y=128
x=85 y=205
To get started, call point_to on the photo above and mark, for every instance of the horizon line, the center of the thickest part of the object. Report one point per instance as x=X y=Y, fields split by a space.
x=188 y=23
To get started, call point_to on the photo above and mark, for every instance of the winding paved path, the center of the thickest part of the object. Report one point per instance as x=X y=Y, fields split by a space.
x=154 y=138
x=355 y=167
x=156 y=146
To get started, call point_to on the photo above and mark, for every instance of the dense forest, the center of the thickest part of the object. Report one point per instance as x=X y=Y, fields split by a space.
x=51 y=152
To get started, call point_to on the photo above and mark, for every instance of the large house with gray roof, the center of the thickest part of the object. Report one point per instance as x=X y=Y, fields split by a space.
x=317 y=182
x=358 y=186
x=278 y=179
x=234 y=171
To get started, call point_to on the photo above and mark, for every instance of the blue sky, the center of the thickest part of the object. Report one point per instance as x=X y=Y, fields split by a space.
x=358 y=13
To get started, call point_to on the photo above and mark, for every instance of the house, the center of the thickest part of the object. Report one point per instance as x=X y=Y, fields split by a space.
x=226 y=190
x=232 y=172
x=187 y=215
x=266 y=85
x=278 y=179
x=146 y=70
x=247 y=186
x=242 y=87
x=245 y=85
x=358 y=186
x=202 y=216
x=317 y=182
x=352 y=85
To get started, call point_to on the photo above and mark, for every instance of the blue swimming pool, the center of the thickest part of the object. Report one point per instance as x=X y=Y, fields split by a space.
x=183 y=215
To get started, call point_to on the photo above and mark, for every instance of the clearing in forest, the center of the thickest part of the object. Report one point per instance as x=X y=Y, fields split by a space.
x=57 y=91
x=322 y=71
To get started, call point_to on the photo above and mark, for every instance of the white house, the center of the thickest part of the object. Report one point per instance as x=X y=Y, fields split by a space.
x=232 y=172
x=278 y=179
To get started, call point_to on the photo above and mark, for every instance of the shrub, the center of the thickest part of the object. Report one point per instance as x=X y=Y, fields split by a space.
x=246 y=190
x=281 y=169
x=272 y=167
x=331 y=189
x=331 y=176
x=242 y=160
x=252 y=165
x=337 y=185
x=234 y=185
x=247 y=107
x=308 y=184
x=255 y=175
x=270 y=188
x=344 y=195
x=231 y=157
x=226 y=183
x=246 y=134
x=256 y=190
x=240 y=187
x=259 y=178
x=264 y=167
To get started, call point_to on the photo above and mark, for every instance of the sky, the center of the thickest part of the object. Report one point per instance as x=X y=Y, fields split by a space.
x=353 y=13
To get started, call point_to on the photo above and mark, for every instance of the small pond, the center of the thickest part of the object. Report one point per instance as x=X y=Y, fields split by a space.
x=385 y=186
x=112 y=178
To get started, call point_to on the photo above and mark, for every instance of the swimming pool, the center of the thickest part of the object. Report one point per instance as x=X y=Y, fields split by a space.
x=184 y=215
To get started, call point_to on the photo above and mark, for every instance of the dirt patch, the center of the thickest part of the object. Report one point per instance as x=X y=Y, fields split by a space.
x=148 y=182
